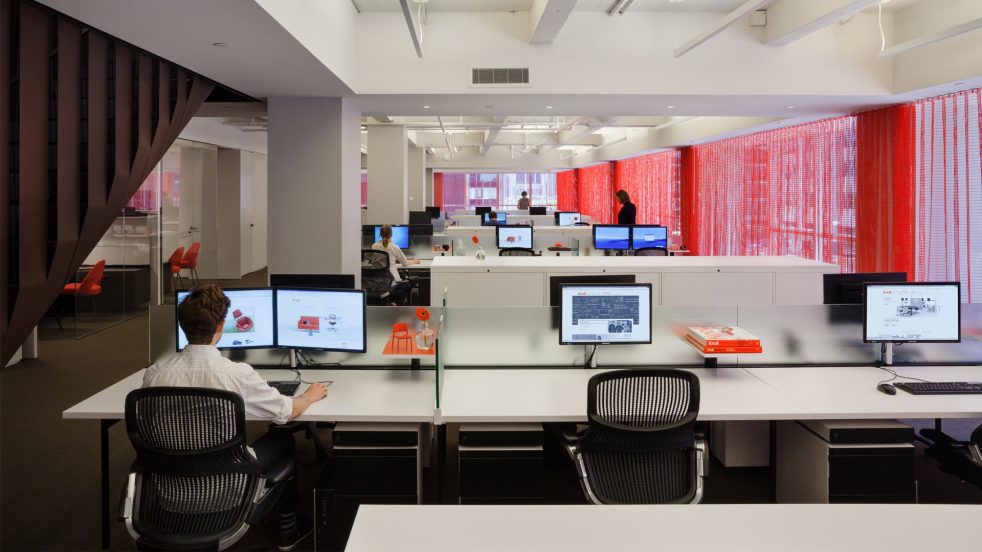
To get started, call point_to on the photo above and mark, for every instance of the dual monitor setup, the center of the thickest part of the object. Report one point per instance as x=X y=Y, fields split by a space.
x=563 y=218
x=617 y=237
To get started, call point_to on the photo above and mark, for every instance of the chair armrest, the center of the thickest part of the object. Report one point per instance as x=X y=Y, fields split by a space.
x=279 y=472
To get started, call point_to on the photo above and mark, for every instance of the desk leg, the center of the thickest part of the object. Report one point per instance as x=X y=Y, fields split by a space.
x=104 y=426
x=441 y=461
x=774 y=460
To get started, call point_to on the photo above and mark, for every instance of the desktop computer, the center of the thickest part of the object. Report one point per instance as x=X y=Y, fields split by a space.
x=514 y=236
x=611 y=237
x=603 y=314
x=537 y=210
x=480 y=211
x=249 y=324
x=567 y=218
x=400 y=235
x=322 y=320
x=419 y=217
x=644 y=236
x=500 y=218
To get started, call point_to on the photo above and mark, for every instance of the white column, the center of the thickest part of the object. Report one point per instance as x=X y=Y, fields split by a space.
x=428 y=196
x=314 y=187
x=228 y=214
x=388 y=167
x=417 y=178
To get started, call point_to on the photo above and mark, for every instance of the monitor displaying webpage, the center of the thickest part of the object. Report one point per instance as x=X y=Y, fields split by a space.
x=906 y=312
x=248 y=324
x=510 y=236
x=595 y=314
x=649 y=236
x=611 y=237
x=567 y=219
x=321 y=319
x=400 y=236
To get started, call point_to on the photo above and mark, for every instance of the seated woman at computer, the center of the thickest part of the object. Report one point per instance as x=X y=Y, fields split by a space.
x=400 y=288
x=524 y=203
x=201 y=316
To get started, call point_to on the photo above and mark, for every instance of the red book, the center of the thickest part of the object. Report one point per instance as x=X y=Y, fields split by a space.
x=711 y=349
x=722 y=337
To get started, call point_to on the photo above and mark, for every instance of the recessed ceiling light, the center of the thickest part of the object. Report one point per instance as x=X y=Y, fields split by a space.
x=426 y=107
x=489 y=107
x=548 y=107
x=959 y=84
x=220 y=44
x=671 y=107
x=790 y=107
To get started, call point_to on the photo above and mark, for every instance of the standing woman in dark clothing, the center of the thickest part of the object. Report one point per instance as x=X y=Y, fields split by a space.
x=628 y=213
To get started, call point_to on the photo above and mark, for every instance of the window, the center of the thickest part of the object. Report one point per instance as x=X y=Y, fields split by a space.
x=497 y=190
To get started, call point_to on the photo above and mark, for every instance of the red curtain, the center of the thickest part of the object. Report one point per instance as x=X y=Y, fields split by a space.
x=652 y=181
x=566 y=196
x=595 y=192
x=782 y=192
x=689 y=200
x=438 y=189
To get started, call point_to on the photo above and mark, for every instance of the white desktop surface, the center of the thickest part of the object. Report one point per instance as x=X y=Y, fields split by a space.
x=357 y=395
x=696 y=528
x=682 y=264
x=850 y=391
x=560 y=395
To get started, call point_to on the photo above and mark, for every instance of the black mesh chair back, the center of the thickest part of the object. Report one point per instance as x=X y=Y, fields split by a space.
x=651 y=252
x=639 y=447
x=194 y=483
x=376 y=278
x=516 y=252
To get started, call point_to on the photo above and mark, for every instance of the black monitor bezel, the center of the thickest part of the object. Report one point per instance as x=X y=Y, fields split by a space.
x=177 y=323
x=835 y=283
x=631 y=239
x=433 y=210
x=650 y=315
x=483 y=209
x=497 y=233
x=409 y=234
x=866 y=287
x=629 y=236
x=537 y=213
x=364 y=318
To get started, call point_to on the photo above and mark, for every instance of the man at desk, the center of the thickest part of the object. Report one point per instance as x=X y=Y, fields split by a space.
x=400 y=289
x=201 y=316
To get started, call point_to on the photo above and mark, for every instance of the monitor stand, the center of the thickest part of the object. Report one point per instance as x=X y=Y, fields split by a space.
x=886 y=353
x=592 y=363
x=293 y=358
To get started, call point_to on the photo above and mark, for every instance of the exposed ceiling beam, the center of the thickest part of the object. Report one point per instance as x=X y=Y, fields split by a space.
x=408 y=12
x=789 y=20
x=945 y=34
x=446 y=135
x=568 y=137
x=492 y=134
x=744 y=10
x=616 y=5
x=547 y=18
x=382 y=118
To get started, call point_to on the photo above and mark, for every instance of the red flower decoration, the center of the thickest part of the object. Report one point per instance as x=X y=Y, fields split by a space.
x=422 y=314
x=558 y=244
x=475 y=240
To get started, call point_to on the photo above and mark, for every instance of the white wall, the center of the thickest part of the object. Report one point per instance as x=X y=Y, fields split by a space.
x=416 y=178
x=210 y=130
x=234 y=187
x=955 y=59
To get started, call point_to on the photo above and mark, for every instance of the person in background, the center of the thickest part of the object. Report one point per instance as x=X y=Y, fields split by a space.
x=524 y=203
x=628 y=212
x=201 y=316
x=400 y=289
x=492 y=218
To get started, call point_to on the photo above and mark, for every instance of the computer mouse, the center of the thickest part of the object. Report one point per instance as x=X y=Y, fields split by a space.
x=887 y=388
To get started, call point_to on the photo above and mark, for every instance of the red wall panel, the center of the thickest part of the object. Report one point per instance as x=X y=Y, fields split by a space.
x=595 y=192
x=652 y=181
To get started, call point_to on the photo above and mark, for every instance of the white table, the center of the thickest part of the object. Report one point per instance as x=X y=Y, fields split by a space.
x=696 y=528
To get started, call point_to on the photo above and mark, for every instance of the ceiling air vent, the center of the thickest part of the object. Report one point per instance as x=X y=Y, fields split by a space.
x=500 y=76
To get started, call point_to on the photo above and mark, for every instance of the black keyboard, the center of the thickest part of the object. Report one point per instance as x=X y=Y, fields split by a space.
x=943 y=388
x=287 y=388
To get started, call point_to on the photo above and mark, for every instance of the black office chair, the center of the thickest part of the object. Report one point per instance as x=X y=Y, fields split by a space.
x=963 y=459
x=194 y=485
x=639 y=446
x=376 y=278
x=516 y=252
x=651 y=252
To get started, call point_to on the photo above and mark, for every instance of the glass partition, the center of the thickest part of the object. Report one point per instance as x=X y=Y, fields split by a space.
x=440 y=355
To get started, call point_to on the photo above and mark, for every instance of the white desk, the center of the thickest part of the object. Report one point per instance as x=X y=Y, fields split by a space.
x=560 y=395
x=697 y=528
x=850 y=392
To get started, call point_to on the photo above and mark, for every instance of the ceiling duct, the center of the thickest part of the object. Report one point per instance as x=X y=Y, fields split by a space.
x=499 y=76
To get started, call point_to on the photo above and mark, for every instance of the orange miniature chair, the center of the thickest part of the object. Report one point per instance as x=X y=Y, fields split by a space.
x=400 y=333
x=175 y=265
x=90 y=286
x=190 y=261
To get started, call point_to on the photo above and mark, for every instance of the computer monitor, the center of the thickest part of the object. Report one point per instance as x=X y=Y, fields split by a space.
x=611 y=236
x=316 y=281
x=925 y=312
x=434 y=212
x=249 y=324
x=499 y=218
x=321 y=319
x=645 y=235
x=481 y=210
x=512 y=236
x=847 y=289
x=419 y=217
x=400 y=235
x=602 y=314
x=537 y=210
x=421 y=229
x=567 y=218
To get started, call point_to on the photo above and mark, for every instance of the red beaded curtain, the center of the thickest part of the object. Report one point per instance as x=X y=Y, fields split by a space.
x=566 y=196
x=454 y=191
x=438 y=189
x=84 y=119
x=652 y=181
x=947 y=198
x=595 y=192
x=689 y=199
x=364 y=189
x=782 y=192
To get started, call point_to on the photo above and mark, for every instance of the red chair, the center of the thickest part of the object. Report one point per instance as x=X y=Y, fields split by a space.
x=90 y=286
x=175 y=265
x=400 y=333
x=190 y=261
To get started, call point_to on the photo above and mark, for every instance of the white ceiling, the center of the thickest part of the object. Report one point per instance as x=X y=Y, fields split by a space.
x=474 y=6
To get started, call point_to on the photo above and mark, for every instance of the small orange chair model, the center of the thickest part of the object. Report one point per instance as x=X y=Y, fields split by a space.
x=400 y=333
x=190 y=261
x=175 y=265
x=90 y=286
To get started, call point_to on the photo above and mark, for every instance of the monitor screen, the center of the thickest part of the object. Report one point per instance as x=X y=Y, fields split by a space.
x=514 y=236
x=926 y=312
x=249 y=324
x=567 y=219
x=594 y=314
x=317 y=281
x=610 y=236
x=649 y=236
x=400 y=235
x=433 y=211
x=537 y=210
x=326 y=320
x=500 y=218
x=419 y=217
x=481 y=210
